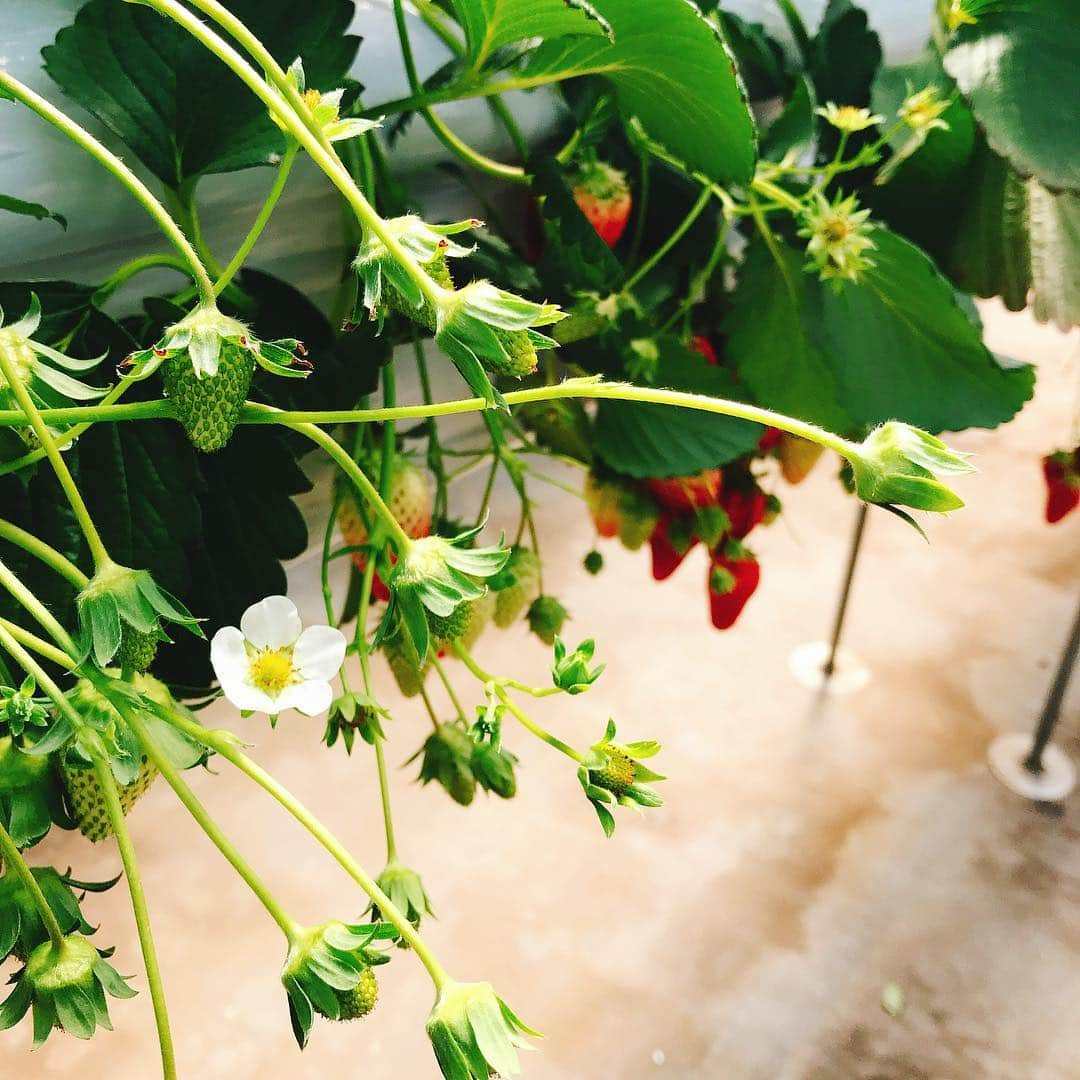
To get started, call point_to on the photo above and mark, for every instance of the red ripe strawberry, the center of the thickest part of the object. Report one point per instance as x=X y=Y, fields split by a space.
x=603 y=196
x=621 y=508
x=770 y=440
x=1061 y=470
x=797 y=457
x=682 y=493
x=702 y=345
x=745 y=507
x=670 y=543
x=602 y=500
x=734 y=574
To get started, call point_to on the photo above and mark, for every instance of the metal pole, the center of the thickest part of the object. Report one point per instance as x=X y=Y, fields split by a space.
x=1052 y=709
x=841 y=611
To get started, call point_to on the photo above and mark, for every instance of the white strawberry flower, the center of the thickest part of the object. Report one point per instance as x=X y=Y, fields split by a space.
x=271 y=663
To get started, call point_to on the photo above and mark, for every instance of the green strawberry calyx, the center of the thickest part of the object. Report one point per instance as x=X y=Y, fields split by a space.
x=200 y=337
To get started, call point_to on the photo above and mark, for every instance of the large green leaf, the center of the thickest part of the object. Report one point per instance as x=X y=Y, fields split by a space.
x=658 y=440
x=178 y=108
x=490 y=24
x=768 y=342
x=760 y=57
x=1017 y=66
x=988 y=249
x=901 y=348
x=1055 y=254
x=846 y=54
x=669 y=68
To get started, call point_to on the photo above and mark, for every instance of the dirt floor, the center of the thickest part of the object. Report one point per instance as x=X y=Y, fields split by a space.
x=812 y=851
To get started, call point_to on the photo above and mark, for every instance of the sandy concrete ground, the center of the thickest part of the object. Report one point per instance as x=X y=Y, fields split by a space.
x=810 y=852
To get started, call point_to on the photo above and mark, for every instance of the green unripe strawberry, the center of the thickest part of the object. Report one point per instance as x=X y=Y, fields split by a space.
x=358 y=1002
x=520 y=358
x=593 y=562
x=137 y=650
x=546 y=617
x=448 y=627
x=618 y=773
x=511 y=603
x=88 y=800
x=401 y=656
x=439 y=271
x=210 y=407
x=50 y=971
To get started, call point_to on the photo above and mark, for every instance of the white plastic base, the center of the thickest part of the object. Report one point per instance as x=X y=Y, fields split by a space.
x=807 y=665
x=1006 y=759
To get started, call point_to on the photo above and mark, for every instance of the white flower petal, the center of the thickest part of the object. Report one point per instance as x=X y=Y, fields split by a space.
x=249 y=698
x=311 y=697
x=271 y=623
x=319 y=652
x=228 y=657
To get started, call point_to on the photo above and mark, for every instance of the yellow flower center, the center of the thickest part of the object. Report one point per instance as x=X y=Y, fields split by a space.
x=272 y=670
x=836 y=229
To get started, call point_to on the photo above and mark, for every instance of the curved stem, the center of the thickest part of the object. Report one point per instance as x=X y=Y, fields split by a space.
x=680 y=231
x=39 y=645
x=107 y=783
x=137 y=266
x=199 y=812
x=106 y=157
x=10 y=581
x=14 y=861
x=363 y=484
x=293 y=121
x=281 y=178
x=442 y=131
x=63 y=474
x=47 y=554
x=449 y=686
x=384 y=794
x=222 y=744
x=161 y=409
x=68 y=436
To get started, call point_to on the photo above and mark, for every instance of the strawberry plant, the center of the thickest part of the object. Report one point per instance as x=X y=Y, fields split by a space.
x=728 y=257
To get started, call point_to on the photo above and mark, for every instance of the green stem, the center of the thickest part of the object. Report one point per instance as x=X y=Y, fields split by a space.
x=435 y=450
x=68 y=436
x=199 y=812
x=63 y=474
x=358 y=477
x=281 y=178
x=641 y=209
x=222 y=744
x=111 y=162
x=160 y=409
x=449 y=686
x=294 y=124
x=384 y=793
x=572 y=388
x=39 y=645
x=680 y=231
x=14 y=860
x=774 y=191
x=441 y=131
x=137 y=266
x=48 y=555
x=10 y=581
x=702 y=279
x=107 y=783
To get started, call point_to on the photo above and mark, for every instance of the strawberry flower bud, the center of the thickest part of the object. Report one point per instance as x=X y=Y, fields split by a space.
x=325 y=109
x=447 y=757
x=433 y=578
x=406 y=892
x=30 y=797
x=613 y=772
x=19 y=709
x=121 y=609
x=839 y=237
x=896 y=464
x=65 y=986
x=571 y=671
x=492 y=764
x=40 y=368
x=328 y=971
x=955 y=13
x=475 y=1034
x=353 y=713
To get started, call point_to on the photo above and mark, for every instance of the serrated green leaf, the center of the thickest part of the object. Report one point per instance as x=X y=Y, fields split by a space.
x=846 y=54
x=30 y=209
x=490 y=24
x=671 y=69
x=768 y=342
x=177 y=107
x=901 y=348
x=1017 y=66
x=656 y=440
x=758 y=55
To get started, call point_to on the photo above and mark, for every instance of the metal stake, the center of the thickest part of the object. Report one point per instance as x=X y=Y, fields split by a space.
x=1052 y=709
x=841 y=611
